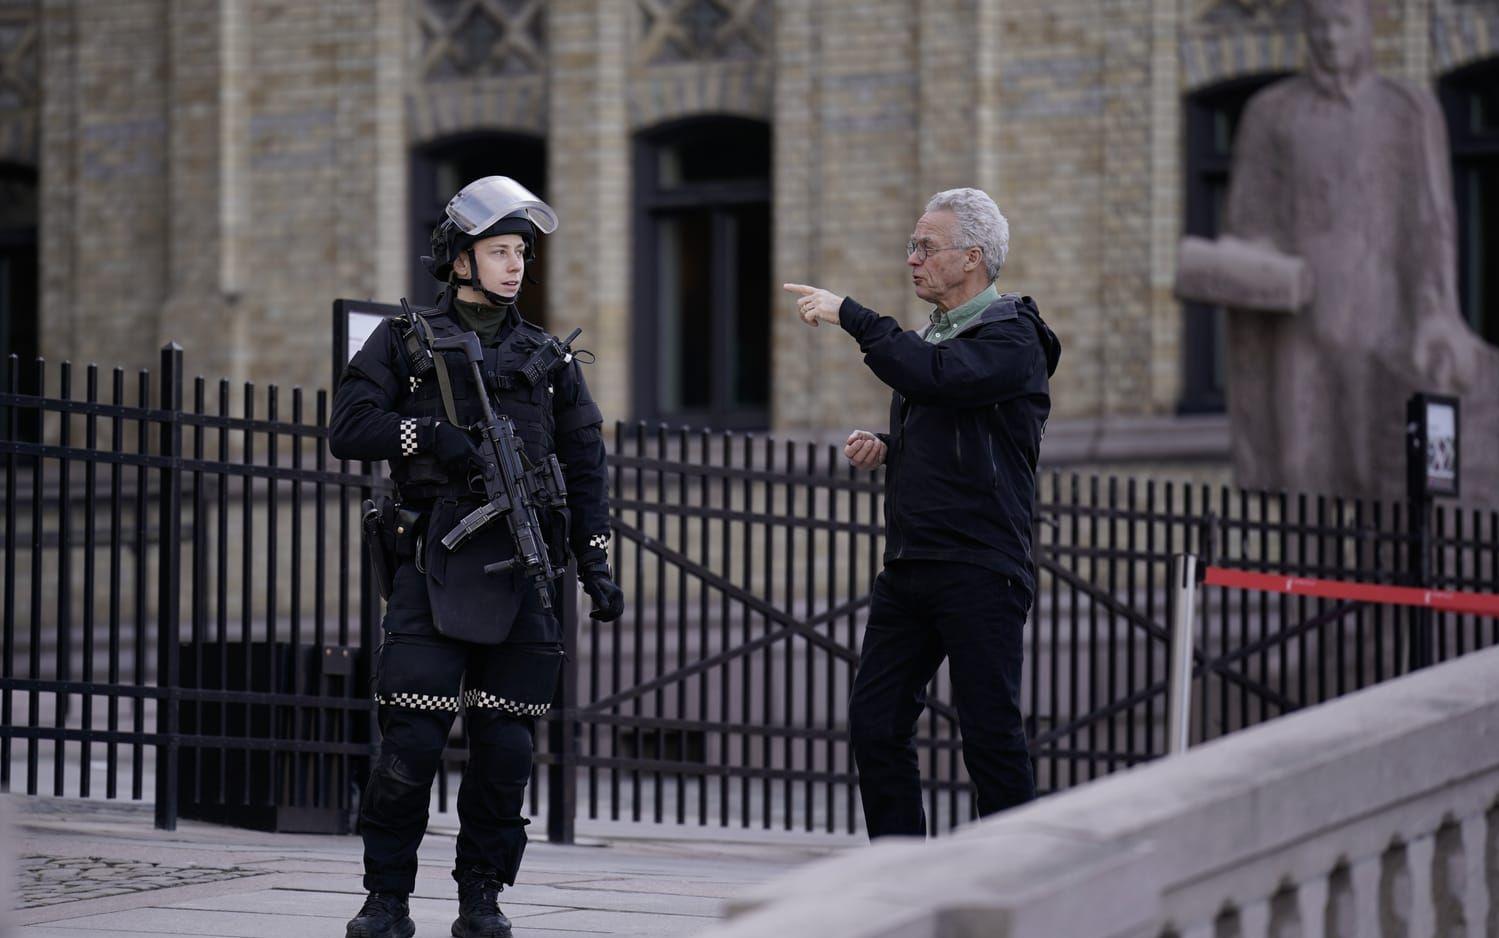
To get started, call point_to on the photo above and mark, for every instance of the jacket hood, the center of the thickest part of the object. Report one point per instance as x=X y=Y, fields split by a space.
x=1049 y=341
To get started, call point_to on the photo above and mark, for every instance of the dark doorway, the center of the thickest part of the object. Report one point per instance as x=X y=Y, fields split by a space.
x=439 y=170
x=702 y=272
x=1212 y=120
x=18 y=292
x=1471 y=99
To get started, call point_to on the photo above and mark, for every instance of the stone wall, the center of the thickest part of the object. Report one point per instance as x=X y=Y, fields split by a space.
x=1376 y=814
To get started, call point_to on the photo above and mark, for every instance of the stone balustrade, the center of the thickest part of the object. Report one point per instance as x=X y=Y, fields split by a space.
x=1374 y=815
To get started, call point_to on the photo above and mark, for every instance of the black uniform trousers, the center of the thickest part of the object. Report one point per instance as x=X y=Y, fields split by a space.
x=920 y=612
x=421 y=680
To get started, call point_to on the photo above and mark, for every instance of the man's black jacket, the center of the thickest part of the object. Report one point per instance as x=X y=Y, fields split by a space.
x=966 y=422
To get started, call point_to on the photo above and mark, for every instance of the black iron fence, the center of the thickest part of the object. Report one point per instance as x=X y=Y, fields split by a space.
x=182 y=579
x=718 y=699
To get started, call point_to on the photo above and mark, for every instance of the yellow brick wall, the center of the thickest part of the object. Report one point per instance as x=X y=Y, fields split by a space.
x=216 y=171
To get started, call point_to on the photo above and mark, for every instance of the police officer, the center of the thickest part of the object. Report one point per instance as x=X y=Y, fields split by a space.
x=454 y=636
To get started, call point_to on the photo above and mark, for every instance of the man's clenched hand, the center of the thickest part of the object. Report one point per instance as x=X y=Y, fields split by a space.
x=864 y=450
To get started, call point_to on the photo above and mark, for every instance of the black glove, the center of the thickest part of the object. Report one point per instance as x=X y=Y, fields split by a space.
x=598 y=583
x=454 y=448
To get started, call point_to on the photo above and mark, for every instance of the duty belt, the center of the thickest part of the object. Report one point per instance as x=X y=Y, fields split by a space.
x=426 y=494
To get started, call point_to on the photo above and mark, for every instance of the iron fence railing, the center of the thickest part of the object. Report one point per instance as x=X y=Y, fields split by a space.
x=182 y=580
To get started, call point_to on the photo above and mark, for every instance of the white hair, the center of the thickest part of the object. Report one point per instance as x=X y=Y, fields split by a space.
x=980 y=224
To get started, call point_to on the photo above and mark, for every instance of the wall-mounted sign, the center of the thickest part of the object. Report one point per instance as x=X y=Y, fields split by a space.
x=353 y=321
x=1433 y=451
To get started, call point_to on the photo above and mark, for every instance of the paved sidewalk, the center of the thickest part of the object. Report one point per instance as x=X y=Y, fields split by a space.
x=100 y=870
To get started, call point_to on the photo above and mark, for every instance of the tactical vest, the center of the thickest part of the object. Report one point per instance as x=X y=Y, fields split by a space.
x=421 y=477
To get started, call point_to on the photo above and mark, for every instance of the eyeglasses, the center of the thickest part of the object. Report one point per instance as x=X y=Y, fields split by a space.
x=921 y=250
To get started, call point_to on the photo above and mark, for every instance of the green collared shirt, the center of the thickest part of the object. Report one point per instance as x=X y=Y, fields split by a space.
x=945 y=326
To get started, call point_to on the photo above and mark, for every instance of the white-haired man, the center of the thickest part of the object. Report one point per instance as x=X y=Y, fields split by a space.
x=971 y=398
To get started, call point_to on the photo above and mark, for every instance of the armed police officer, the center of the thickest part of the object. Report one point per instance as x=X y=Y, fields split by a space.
x=455 y=635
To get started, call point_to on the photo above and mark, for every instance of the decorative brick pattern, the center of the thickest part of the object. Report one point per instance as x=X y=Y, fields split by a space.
x=461 y=38
x=683 y=30
x=1463 y=32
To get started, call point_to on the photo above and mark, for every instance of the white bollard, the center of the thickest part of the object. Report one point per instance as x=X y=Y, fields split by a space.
x=1184 y=588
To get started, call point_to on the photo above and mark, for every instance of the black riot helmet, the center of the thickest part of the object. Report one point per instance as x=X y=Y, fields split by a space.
x=485 y=208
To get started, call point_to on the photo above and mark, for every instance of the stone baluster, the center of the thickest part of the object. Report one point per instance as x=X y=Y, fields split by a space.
x=1476 y=896
x=1311 y=905
x=1419 y=854
x=1365 y=876
x=1201 y=930
x=1254 y=919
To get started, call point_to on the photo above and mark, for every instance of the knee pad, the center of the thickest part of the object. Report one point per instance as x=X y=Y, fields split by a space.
x=404 y=772
x=501 y=745
x=397 y=783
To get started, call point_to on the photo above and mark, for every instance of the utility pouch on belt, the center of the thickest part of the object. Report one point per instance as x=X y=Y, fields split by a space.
x=405 y=528
x=381 y=562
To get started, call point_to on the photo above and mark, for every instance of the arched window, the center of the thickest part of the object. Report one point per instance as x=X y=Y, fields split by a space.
x=1471 y=99
x=440 y=169
x=702 y=272
x=1212 y=119
x=18 y=287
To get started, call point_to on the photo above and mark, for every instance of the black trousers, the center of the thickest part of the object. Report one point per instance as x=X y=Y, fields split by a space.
x=922 y=611
x=422 y=681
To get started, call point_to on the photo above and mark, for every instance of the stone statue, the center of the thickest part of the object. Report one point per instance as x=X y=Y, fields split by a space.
x=1339 y=271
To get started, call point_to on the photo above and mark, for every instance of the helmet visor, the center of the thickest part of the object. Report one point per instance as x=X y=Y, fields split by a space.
x=485 y=201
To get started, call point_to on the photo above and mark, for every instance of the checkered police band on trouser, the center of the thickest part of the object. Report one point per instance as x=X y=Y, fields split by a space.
x=418 y=701
x=472 y=699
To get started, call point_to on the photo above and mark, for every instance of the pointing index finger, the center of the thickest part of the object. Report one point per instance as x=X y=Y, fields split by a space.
x=801 y=288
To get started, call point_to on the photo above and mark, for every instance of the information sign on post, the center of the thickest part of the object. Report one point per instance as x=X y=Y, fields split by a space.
x=353 y=321
x=1433 y=451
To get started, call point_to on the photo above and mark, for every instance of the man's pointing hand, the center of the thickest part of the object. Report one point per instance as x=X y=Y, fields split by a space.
x=814 y=304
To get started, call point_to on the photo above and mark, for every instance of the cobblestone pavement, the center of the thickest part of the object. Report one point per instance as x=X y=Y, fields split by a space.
x=101 y=870
x=43 y=880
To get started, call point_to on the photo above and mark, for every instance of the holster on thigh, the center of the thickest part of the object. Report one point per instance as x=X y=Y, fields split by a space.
x=419 y=672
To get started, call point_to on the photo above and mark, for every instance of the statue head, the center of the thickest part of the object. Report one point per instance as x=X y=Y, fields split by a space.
x=1340 y=38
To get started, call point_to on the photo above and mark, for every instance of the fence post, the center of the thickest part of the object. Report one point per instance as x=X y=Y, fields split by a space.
x=1184 y=599
x=1422 y=651
x=169 y=582
x=562 y=729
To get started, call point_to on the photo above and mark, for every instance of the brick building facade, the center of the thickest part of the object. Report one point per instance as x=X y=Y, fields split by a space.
x=217 y=171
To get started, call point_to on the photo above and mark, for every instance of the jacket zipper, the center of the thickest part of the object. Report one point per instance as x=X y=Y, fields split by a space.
x=900 y=446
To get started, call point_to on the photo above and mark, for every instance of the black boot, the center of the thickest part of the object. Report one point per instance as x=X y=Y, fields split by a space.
x=478 y=915
x=385 y=915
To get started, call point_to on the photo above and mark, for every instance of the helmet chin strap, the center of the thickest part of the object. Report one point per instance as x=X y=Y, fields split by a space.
x=473 y=281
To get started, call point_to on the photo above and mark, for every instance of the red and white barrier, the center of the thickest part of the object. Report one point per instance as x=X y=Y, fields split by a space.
x=1185 y=583
x=1478 y=604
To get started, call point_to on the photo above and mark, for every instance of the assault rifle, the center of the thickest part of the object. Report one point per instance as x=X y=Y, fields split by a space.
x=514 y=488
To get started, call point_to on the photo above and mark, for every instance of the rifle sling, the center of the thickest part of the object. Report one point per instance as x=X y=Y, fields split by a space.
x=444 y=383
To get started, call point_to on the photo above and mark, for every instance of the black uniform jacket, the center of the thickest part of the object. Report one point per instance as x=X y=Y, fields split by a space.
x=373 y=413
x=966 y=422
